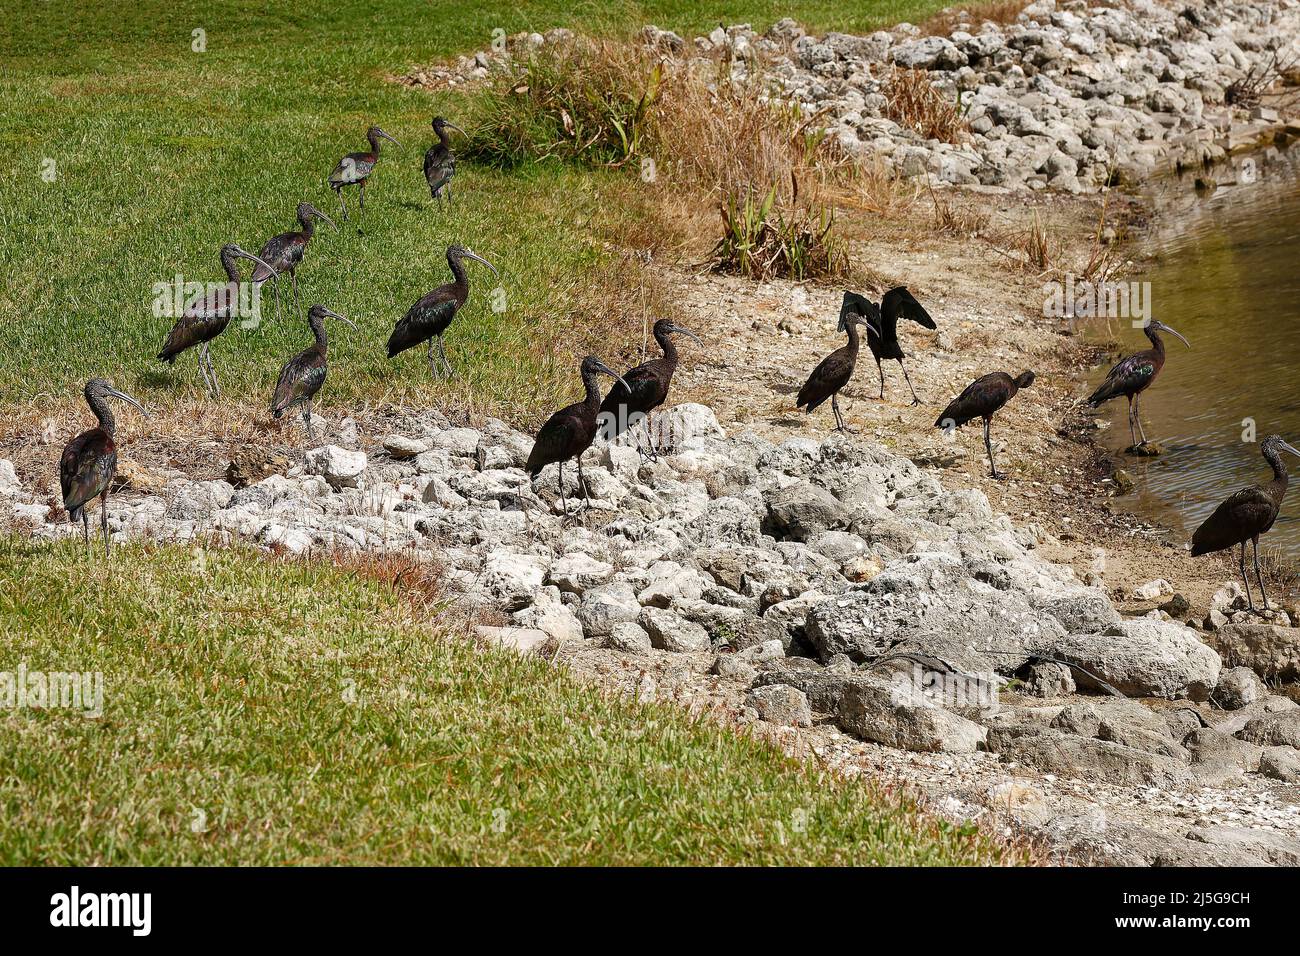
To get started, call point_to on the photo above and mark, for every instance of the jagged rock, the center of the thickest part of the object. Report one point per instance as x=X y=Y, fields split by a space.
x=1144 y=658
x=1273 y=730
x=1085 y=612
x=630 y=638
x=1052 y=751
x=1280 y=763
x=525 y=640
x=733 y=667
x=1153 y=589
x=1080 y=719
x=1049 y=679
x=1237 y=688
x=803 y=511
x=781 y=704
x=672 y=632
x=251 y=465
x=512 y=578
x=340 y=467
x=1276 y=848
x=1270 y=651
x=577 y=572
x=401 y=447
x=609 y=604
x=1219 y=759
x=9 y=483
x=550 y=615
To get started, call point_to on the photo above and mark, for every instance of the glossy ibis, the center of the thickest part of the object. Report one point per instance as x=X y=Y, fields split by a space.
x=571 y=430
x=355 y=169
x=90 y=460
x=981 y=399
x=304 y=374
x=647 y=389
x=439 y=161
x=1131 y=376
x=835 y=370
x=283 y=253
x=1246 y=515
x=883 y=342
x=207 y=315
x=428 y=319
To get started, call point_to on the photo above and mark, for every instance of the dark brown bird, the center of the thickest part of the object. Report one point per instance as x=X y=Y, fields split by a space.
x=647 y=389
x=981 y=399
x=1131 y=376
x=284 y=253
x=835 y=370
x=571 y=430
x=304 y=374
x=429 y=318
x=90 y=460
x=354 y=169
x=1248 y=514
x=207 y=315
x=883 y=341
x=440 y=161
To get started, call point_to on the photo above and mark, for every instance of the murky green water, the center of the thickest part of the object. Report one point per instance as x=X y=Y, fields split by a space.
x=1227 y=276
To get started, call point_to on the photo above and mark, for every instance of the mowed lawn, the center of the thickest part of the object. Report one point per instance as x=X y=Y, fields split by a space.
x=160 y=154
x=264 y=711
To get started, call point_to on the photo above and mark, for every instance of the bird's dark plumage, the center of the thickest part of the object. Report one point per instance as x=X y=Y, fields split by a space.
x=439 y=160
x=429 y=318
x=1132 y=375
x=1247 y=514
x=304 y=374
x=983 y=398
x=647 y=384
x=354 y=169
x=882 y=329
x=834 y=371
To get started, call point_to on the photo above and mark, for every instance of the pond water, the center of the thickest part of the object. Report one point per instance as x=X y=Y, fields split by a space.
x=1226 y=274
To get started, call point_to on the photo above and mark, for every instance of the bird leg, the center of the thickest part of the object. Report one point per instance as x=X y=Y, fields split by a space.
x=443 y=352
x=338 y=191
x=103 y=519
x=988 y=447
x=1137 y=417
x=306 y=418
x=1241 y=566
x=564 y=499
x=362 y=200
x=915 y=399
x=835 y=407
x=85 y=529
x=203 y=370
x=582 y=483
x=1259 y=576
x=652 y=455
x=205 y=359
x=293 y=274
x=1132 y=434
x=881 y=369
x=433 y=367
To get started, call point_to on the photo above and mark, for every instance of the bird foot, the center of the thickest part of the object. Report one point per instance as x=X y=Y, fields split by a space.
x=915 y=402
x=1145 y=449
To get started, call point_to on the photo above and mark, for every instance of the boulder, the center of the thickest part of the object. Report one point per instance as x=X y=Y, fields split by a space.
x=1280 y=763
x=339 y=466
x=1270 y=651
x=524 y=640
x=1144 y=658
x=671 y=632
x=1238 y=687
x=604 y=606
x=781 y=704
x=1273 y=730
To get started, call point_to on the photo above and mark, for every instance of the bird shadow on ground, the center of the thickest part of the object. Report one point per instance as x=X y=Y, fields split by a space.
x=159 y=378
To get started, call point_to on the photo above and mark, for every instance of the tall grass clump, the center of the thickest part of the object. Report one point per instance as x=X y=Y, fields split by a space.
x=912 y=101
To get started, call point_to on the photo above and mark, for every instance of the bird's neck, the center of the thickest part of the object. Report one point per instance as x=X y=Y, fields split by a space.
x=308 y=225
x=458 y=272
x=1274 y=458
x=443 y=137
x=855 y=335
x=591 y=383
x=318 y=331
x=373 y=140
x=1157 y=343
x=232 y=268
x=103 y=413
x=669 y=347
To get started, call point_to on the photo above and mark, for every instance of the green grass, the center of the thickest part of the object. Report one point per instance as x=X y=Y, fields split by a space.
x=260 y=711
x=163 y=154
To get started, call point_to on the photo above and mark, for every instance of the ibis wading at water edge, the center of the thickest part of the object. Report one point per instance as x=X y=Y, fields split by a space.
x=1133 y=375
x=89 y=461
x=1247 y=515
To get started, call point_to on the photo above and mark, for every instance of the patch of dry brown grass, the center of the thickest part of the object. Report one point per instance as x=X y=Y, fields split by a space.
x=997 y=11
x=912 y=101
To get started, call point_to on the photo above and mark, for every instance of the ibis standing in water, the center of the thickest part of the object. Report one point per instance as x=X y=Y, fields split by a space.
x=897 y=304
x=439 y=161
x=1246 y=515
x=90 y=460
x=647 y=387
x=207 y=315
x=1133 y=375
x=354 y=169
x=981 y=399
x=429 y=318
x=571 y=430
x=304 y=374
x=835 y=370
x=283 y=253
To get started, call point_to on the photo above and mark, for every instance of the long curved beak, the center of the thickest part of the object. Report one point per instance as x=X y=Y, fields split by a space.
x=126 y=398
x=252 y=258
x=602 y=367
x=1287 y=446
x=680 y=330
x=334 y=315
x=387 y=137
x=477 y=258
x=320 y=215
x=458 y=129
x=1178 y=335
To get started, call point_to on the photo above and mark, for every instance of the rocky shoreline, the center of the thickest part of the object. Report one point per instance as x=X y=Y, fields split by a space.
x=829 y=591
x=1073 y=96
